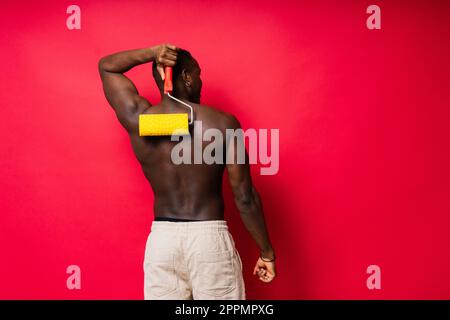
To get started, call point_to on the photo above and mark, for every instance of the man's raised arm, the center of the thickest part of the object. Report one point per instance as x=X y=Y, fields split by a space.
x=120 y=91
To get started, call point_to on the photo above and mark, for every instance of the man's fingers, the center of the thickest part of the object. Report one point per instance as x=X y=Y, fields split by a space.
x=167 y=62
x=170 y=56
x=264 y=271
x=167 y=55
x=172 y=47
x=263 y=278
x=261 y=273
x=267 y=277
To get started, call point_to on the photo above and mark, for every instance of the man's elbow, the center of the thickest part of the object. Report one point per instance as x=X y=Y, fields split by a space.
x=103 y=64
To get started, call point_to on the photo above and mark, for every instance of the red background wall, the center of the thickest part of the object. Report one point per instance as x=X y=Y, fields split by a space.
x=364 y=143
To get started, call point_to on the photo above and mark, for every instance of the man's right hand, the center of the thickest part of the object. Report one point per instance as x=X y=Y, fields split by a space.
x=165 y=55
x=265 y=271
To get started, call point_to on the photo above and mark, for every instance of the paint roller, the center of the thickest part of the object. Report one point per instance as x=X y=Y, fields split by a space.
x=166 y=124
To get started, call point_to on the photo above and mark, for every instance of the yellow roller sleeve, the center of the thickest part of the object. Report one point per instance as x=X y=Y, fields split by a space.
x=163 y=124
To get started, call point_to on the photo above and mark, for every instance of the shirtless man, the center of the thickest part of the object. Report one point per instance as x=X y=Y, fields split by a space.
x=190 y=254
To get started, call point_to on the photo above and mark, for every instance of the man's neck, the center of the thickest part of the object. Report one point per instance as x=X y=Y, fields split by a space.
x=165 y=99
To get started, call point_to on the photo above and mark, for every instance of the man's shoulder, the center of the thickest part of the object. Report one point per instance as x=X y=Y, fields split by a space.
x=218 y=116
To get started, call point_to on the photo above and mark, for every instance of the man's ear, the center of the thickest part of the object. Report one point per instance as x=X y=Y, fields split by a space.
x=187 y=79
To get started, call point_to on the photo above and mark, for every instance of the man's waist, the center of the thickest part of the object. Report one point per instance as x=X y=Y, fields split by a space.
x=176 y=219
x=183 y=226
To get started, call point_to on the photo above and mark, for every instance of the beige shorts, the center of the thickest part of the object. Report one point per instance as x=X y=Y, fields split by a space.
x=192 y=260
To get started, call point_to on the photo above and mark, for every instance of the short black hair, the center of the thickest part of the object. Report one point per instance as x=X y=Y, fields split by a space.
x=185 y=61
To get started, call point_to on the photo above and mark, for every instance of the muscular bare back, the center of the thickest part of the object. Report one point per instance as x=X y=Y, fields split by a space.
x=185 y=191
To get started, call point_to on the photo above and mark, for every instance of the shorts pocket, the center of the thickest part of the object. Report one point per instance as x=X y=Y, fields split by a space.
x=215 y=273
x=160 y=274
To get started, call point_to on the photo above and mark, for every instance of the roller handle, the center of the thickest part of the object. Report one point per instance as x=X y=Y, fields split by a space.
x=168 y=86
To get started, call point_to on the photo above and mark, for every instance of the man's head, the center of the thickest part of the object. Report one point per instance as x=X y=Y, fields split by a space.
x=185 y=77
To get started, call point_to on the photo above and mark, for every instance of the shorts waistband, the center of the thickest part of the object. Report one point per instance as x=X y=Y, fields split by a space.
x=191 y=225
